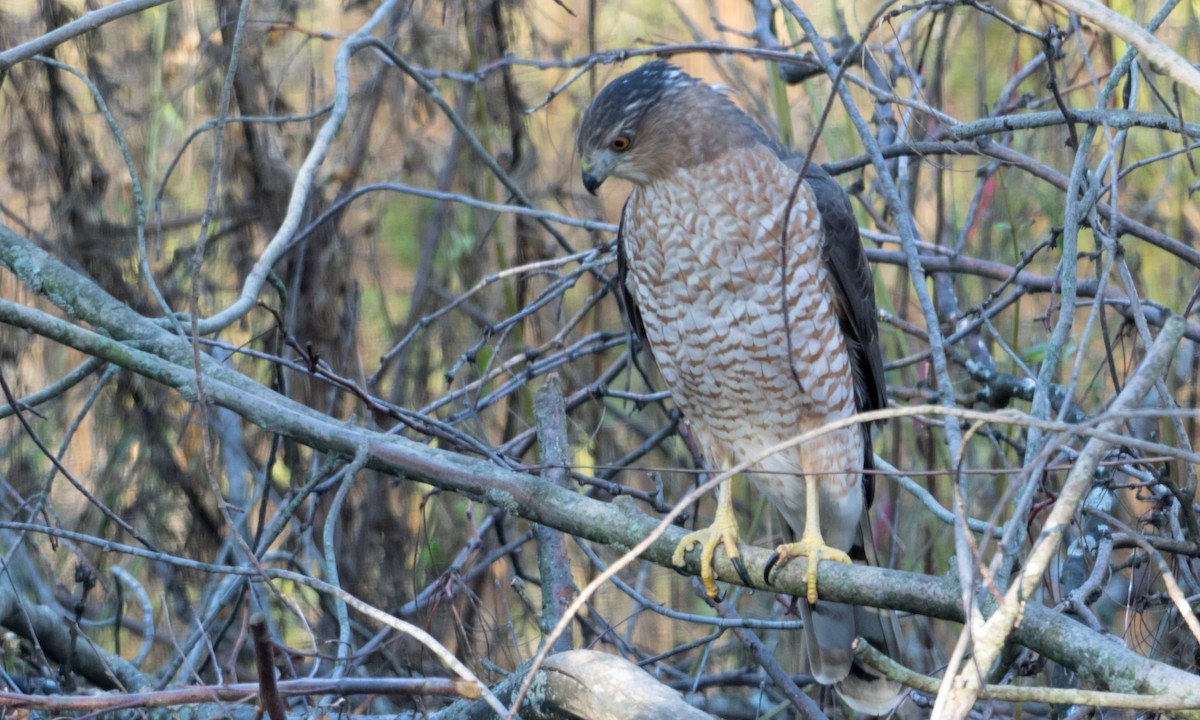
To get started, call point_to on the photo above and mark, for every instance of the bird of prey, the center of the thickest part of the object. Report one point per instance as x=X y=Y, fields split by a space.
x=751 y=285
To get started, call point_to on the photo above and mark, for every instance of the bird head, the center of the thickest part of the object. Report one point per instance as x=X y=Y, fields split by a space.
x=654 y=120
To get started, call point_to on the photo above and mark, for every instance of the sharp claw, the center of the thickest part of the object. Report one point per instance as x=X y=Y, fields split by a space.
x=741 y=570
x=775 y=558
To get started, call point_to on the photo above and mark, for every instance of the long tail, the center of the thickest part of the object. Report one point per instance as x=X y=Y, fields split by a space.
x=829 y=631
x=863 y=688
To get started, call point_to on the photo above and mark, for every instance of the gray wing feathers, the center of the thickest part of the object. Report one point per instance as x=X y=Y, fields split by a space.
x=853 y=287
x=629 y=308
x=831 y=627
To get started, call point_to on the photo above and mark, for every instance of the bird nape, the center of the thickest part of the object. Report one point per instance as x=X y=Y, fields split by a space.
x=757 y=302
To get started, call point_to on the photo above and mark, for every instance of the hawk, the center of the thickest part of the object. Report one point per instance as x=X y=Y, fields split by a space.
x=751 y=285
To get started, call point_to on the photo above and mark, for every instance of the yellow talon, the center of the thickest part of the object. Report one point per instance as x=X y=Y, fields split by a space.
x=812 y=543
x=813 y=548
x=722 y=532
x=708 y=540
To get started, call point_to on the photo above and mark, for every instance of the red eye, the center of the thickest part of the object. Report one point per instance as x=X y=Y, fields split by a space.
x=620 y=144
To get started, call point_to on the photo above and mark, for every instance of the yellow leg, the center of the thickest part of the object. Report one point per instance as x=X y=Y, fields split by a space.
x=723 y=531
x=812 y=543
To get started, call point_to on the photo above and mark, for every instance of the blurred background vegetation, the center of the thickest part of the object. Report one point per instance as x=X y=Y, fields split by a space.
x=470 y=308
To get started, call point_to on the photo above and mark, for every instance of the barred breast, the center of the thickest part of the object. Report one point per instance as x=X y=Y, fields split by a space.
x=706 y=250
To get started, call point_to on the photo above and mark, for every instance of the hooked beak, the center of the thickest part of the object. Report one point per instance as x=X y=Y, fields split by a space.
x=596 y=168
x=592 y=182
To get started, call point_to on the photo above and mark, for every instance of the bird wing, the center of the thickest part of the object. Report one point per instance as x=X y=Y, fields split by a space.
x=630 y=312
x=629 y=308
x=852 y=287
x=853 y=295
x=854 y=300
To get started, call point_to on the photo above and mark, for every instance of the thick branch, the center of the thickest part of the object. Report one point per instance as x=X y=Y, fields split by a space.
x=1096 y=659
x=558 y=585
x=990 y=639
x=50 y=629
x=85 y=24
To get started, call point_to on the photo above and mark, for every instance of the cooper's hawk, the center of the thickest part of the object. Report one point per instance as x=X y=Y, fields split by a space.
x=756 y=298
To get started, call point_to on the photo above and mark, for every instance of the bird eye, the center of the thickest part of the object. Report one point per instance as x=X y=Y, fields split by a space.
x=620 y=144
